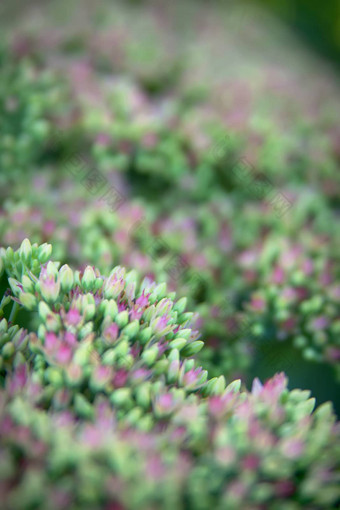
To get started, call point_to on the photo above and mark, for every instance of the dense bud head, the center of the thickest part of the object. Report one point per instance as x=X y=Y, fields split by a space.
x=104 y=336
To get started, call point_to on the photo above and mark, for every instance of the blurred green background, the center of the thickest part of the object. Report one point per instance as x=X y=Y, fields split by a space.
x=315 y=22
x=318 y=23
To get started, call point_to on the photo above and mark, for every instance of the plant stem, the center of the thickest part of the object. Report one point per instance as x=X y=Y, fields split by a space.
x=14 y=312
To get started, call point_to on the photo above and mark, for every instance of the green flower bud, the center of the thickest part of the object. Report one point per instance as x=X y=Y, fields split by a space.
x=304 y=408
x=9 y=254
x=144 y=335
x=125 y=362
x=38 y=377
x=53 y=322
x=27 y=284
x=181 y=305
x=178 y=343
x=88 y=279
x=174 y=355
x=150 y=355
x=324 y=412
x=184 y=333
x=163 y=306
x=173 y=371
x=19 y=359
x=121 y=397
x=82 y=354
x=179 y=394
x=122 y=318
x=234 y=386
x=66 y=278
x=160 y=290
x=86 y=330
x=13 y=329
x=52 y=269
x=83 y=408
x=161 y=367
x=219 y=386
x=145 y=423
x=185 y=317
x=74 y=375
x=109 y=357
x=111 y=309
x=19 y=342
x=115 y=283
x=49 y=283
x=89 y=311
x=100 y=381
x=122 y=348
x=76 y=275
x=131 y=276
x=28 y=300
x=131 y=329
x=215 y=386
x=15 y=286
x=149 y=313
x=98 y=284
x=192 y=348
x=54 y=376
x=41 y=332
x=35 y=345
x=188 y=364
x=8 y=350
x=133 y=416
x=3 y=326
x=5 y=337
x=44 y=252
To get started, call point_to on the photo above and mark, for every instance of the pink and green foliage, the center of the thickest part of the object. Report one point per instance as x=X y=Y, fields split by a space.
x=102 y=404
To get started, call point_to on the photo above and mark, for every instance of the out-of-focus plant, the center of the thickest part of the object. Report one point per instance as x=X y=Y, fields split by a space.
x=28 y=98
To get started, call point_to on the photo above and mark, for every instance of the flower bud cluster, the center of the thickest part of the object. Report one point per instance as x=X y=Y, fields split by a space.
x=27 y=97
x=239 y=449
x=295 y=294
x=96 y=335
x=102 y=404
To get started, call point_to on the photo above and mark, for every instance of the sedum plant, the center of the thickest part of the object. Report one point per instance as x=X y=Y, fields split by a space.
x=92 y=335
x=108 y=397
x=294 y=294
x=103 y=406
x=105 y=402
x=28 y=97
x=207 y=260
x=175 y=147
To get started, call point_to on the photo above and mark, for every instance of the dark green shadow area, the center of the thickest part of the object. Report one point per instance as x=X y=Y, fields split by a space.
x=319 y=378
